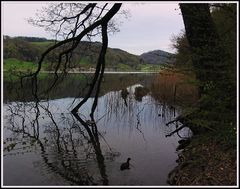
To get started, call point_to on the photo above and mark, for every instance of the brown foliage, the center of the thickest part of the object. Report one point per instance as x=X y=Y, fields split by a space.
x=174 y=88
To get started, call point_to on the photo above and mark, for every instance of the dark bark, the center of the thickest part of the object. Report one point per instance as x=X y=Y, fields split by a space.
x=101 y=60
x=208 y=55
x=73 y=42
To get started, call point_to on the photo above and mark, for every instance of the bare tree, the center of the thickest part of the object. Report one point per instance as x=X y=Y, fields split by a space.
x=74 y=22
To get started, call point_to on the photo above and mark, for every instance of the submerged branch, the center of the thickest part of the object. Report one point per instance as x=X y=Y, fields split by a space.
x=178 y=129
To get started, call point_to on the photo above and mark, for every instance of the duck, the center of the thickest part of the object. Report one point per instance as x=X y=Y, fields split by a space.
x=125 y=165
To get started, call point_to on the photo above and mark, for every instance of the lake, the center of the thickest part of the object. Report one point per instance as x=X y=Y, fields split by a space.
x=44 y=144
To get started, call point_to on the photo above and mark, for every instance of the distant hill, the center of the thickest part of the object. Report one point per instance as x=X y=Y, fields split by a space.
x=157 y=57
x=84 y=57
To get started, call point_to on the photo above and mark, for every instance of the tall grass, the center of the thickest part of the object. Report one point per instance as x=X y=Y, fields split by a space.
x=174 y=88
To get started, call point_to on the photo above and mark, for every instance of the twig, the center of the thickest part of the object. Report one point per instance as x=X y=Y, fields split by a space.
x=170 y=134
x=175 y=120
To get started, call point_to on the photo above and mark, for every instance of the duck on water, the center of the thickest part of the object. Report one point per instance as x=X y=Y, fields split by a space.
x=125 y=165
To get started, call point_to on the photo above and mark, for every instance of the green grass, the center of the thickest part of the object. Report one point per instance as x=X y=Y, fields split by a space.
x=124 y=67
x=8 y=76
x=13 y=67
x=12 y=64
x=149 y=67
x=43 y=44
x=84 y=62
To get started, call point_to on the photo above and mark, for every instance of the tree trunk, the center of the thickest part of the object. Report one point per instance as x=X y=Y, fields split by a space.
x=208 y=55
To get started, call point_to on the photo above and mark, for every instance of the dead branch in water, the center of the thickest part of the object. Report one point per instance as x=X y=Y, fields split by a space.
x=178 y=129
x=178 y=119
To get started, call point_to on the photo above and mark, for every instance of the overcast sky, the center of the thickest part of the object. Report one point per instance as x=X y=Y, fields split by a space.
x=150 y=26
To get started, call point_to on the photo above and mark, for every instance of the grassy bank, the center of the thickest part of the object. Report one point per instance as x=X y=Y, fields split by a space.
x=16 y=65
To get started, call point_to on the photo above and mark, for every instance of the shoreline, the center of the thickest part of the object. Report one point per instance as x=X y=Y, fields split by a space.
x=205 y=162
x=106 y=72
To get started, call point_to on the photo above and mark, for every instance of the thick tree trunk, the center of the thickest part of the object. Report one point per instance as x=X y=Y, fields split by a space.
x=208 y=55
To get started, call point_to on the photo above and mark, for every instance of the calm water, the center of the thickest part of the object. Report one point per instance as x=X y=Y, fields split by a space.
x=47 y=145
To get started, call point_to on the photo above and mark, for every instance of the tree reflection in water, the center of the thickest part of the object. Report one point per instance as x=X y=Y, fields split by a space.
x=71 y=144
x=67 y=147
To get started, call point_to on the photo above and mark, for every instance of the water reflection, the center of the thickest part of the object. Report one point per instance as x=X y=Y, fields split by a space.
x=66 y=147
x=83 y=150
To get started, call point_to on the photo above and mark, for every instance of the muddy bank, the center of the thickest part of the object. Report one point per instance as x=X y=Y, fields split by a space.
x=205 y=161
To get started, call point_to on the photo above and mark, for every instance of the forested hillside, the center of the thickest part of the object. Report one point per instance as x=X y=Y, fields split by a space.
x=158 y=57
x=29 y=49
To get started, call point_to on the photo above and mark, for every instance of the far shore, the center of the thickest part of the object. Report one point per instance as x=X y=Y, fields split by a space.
x=107 y=72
